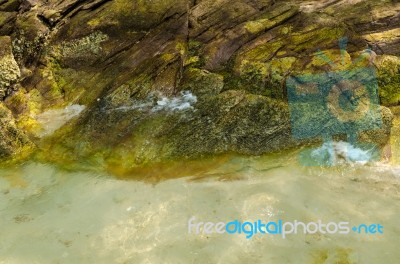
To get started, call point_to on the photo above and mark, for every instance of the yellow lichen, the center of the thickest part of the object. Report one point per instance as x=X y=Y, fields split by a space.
x=257 y=26
x=389 y=35
x=94 y=22
x=191 y=60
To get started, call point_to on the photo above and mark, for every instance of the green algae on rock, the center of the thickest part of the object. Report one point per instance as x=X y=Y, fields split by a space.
x=9 y=70
x=14 y=143
x=389 y=79
x=234 y=56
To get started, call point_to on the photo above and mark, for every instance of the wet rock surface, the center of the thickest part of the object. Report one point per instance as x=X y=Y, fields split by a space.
x=234 y=56
x=13 y=141
x=9 y=70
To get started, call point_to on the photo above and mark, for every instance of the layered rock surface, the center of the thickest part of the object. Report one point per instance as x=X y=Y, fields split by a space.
x=122 y=58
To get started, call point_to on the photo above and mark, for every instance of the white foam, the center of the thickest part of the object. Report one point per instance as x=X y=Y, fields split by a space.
x=156 y=103
x=53 y=119
x=343 y=152
x=179 y=103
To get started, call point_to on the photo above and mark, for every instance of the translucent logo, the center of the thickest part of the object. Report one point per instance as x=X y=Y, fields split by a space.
x=342 y=102
x=280 y=228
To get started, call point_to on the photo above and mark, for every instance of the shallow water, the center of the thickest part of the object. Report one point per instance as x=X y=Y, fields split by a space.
x=53 y=216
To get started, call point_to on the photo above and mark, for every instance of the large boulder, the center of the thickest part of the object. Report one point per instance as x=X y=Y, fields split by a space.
x=180 y=78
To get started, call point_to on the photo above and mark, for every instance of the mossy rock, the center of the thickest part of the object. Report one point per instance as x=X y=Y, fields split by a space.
x=9 y=69
x=233 y=121
x=7 y=22
x=202 y=82
x=10 y=5
x=389 y=79
x=234 y=55
x=14 y=143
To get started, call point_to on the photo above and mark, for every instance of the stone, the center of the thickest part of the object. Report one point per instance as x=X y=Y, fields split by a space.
x=202 y=82
x=14 y=143
x=234 y=56
x=9 y=70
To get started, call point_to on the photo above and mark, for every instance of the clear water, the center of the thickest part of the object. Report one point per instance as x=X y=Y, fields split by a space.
x=48 y=215
x=52 y=216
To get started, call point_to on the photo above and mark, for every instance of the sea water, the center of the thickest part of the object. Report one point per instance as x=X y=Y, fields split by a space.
x=48 y=215
x=53 y=216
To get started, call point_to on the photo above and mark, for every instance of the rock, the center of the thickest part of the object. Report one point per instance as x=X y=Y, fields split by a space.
x=13 y=142
x=380 y=136
x=235 y=56
x=202 y=82
x=9 y=5
x=7 y=20
x=233 y=121
x=9 y=70
x=386 y=42
x=29 y=38
x=389 y=79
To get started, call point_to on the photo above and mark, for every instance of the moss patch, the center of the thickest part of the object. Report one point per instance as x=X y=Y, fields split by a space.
x=389 y=79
